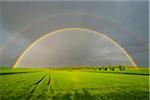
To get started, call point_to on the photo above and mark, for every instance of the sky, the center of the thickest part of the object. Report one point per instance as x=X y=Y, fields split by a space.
x=75 y=47
x=24 y=22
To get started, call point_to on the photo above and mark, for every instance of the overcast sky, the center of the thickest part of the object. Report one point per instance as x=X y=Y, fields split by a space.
x=23 y=22
x=74 y=48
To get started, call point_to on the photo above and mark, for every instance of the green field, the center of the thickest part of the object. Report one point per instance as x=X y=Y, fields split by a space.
x=74 y=84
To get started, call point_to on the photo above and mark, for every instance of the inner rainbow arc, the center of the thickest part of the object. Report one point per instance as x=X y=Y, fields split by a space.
x=66 y=29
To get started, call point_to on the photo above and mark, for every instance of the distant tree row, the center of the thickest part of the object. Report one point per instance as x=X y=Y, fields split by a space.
x=120 y=67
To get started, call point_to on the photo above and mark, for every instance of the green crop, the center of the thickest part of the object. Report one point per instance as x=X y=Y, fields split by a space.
x=49 y=84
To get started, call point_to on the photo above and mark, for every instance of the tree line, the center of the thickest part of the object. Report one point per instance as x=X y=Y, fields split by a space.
x=120 y=67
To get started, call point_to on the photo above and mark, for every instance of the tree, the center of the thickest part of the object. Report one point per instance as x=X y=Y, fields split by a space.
x=111 y=68
x=121 y=68
x=105 y=68
x=100 y=68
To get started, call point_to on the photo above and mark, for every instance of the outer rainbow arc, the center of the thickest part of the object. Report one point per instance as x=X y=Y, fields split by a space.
x=84 y=29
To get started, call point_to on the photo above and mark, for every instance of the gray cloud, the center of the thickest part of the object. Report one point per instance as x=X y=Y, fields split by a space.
x=131 y=16
x=72 y=48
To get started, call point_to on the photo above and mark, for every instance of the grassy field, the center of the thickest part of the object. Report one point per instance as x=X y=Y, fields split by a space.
x=74 y=84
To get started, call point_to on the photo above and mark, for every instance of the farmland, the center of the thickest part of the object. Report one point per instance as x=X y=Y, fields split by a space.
x=74 y=84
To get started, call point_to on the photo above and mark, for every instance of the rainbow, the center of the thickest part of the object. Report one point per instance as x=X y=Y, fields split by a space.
x=67 y=29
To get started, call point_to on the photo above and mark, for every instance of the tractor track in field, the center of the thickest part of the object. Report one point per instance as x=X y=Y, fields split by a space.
x=48 y=91
x=49 y=80
x=31 y=91
x=33 y=88
x=40 y=80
